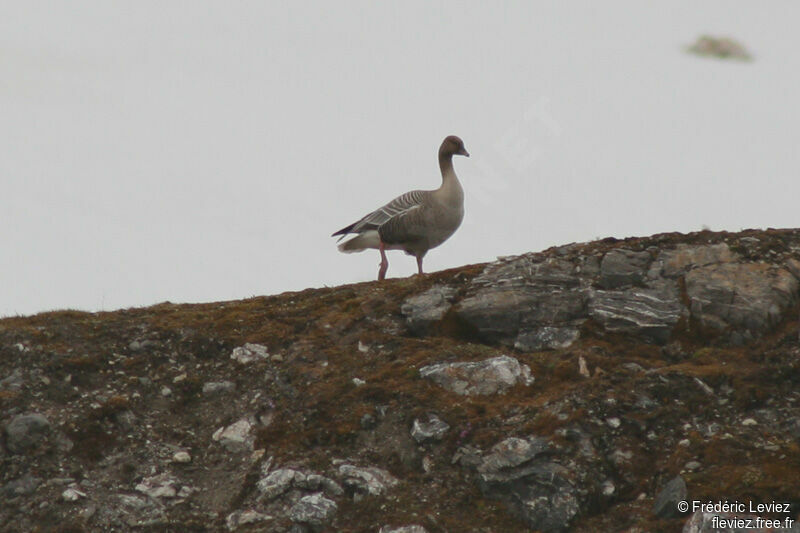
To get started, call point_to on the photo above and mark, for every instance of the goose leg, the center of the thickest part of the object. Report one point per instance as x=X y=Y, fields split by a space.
x=384 y=264
x=419 y=264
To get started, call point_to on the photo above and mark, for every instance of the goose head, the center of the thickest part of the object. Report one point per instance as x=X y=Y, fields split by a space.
x=451 y=146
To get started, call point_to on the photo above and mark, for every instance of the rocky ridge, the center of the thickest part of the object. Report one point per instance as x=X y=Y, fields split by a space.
x=589 y=387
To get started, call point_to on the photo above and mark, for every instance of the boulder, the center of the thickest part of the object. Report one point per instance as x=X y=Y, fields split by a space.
x=666 y=502
x=314 y=510
x=423 y=310
x=26 y=431
x=491 y=376
x=521 y=473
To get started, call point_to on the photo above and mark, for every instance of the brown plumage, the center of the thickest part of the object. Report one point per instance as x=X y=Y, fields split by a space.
x=416 y=221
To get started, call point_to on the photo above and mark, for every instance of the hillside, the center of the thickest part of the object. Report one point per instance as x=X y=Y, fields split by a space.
x=587 y=387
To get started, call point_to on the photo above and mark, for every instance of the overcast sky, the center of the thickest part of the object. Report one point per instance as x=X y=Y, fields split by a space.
x=199 y=151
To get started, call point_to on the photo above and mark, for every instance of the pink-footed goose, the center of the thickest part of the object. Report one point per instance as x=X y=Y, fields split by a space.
x=416 y=221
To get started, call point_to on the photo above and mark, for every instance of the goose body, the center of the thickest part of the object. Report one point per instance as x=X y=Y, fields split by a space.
x=416 y=221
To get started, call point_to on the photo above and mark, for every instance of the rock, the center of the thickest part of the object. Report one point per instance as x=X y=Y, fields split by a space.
x=747 y=297
x=140 y=345
x=434 y=428
x=23 y=486
x=137 y=511
x=692 y=465
x=491 y=376
x=318 y=482
x=467 y=456
x=72 y=495
x=241 y=518
x=650 y=311
x=280 y=481
x=675 y=263
x=159 y=486
x=366 y=480
x=403 y=529
x=236 y=437
x=314 y=510
x=793 y=266
x=13 y=381
x=621 y=267
x=425 y=309
x=666 y=503
x=250 y=352
x=358 y=382
x=181 y=457
x=535 y=302
x=277 y=482
x=26 y=431
x=546 y=338
x=368 y=421
x=216 y=387
x=513 y=299
x=520 y=473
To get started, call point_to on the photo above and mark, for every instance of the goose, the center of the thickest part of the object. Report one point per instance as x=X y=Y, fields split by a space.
x=415 y=221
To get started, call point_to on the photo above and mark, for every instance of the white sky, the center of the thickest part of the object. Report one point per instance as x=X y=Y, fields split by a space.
x=198 y=151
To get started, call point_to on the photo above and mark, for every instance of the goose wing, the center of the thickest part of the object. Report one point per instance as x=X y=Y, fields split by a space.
x=397 y=207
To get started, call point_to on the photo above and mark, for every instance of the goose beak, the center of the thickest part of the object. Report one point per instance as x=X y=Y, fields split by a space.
x=463 y=151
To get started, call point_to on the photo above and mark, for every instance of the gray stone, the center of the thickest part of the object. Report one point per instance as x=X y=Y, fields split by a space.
x=748 y=297
x=23 y=486
x=181 y=457
x=318 y=482
x=403 y=529
x=546 y=338
x=13 y=381
x=26 y=431
x=434 y=428
x=520 y=473
x=278 y=481
x=500 y=462
x=216 y=387
x=666 y=503
x=250 y=352
x=675 y=263
x=241 y=518
x=236 y=437
x=692 y=465
x=425 y=309
x=536 y=302
x=159 y=486
x=366 y=480
x=368 y=421
x=315 y=510
x=282 y=480
x=491 y=376
x=467 y=456
x=140 y=345
x=136 y=511
x=515 y=297
x=621 y=267
x=650 y=311
x=793 y=266
x=72 y=494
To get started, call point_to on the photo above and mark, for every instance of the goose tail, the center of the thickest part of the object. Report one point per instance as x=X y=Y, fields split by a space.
x=362 y=241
